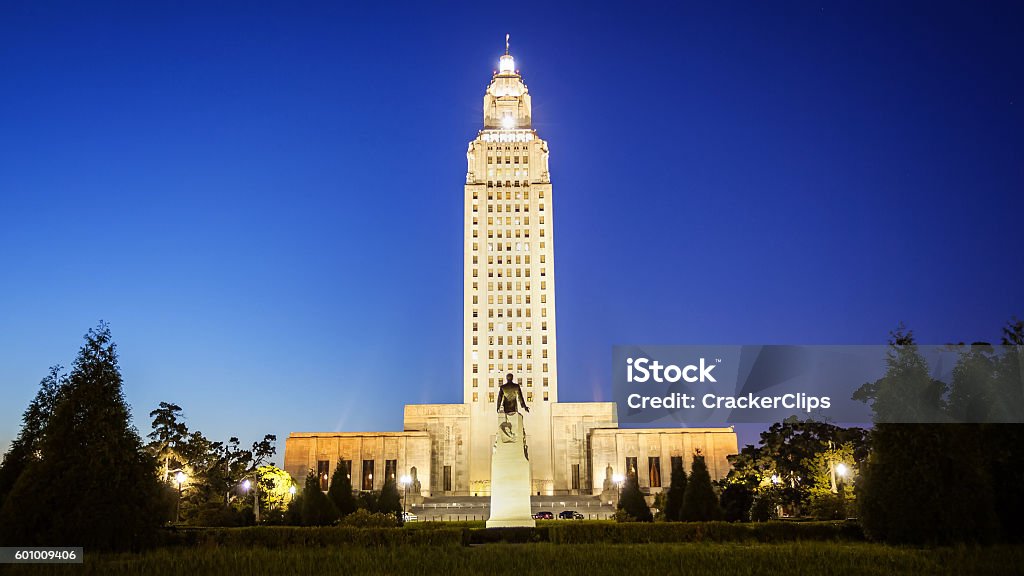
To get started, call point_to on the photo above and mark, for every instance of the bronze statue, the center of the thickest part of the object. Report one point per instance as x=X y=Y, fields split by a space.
x=509 y=400
x=511 y=397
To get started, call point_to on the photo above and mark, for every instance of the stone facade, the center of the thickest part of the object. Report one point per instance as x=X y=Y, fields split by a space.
x=509 y=327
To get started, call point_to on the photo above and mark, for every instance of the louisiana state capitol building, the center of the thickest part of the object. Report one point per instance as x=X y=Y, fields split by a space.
x=509 y=327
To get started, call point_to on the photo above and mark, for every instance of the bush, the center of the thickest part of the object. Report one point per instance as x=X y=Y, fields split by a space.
x=635 y=533
x=828 y=506
x=317 y=508
x=737 y=499
x=765 y=505
x=366 y=519
x=632 y=504
x=326 y=536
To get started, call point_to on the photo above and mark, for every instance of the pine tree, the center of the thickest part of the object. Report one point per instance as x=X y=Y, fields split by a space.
x=676 y=492
x=700 y=503
x=921 y=483
x=317 y=508
x=26 y=446
x=93 y=484
x=389 y=501
x=340 y=491
x=632 y=503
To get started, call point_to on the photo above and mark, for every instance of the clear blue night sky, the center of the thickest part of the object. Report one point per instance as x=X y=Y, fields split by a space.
x=265 y=199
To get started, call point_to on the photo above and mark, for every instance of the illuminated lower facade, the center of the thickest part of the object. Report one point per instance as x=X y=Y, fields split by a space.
x=509 y=327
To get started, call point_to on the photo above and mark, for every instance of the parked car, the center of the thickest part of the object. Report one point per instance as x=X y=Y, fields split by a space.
x=409 y=517
x=570 y=515
x=543 y=515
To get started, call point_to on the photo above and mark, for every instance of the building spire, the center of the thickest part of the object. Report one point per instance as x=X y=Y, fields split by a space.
x=506 y=44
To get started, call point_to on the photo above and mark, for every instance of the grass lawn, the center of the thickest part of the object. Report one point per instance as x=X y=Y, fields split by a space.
x=694 y=559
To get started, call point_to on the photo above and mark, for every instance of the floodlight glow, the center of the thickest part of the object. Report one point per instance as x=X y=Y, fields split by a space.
x=618 y=478
x=180 y=478
x=841 y=469
x=506 y=64
x=292 y=490
x=246 y=485
x=405 y=480
x=508 y=122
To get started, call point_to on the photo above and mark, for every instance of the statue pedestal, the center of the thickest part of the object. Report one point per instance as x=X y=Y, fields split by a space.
x=510 y=475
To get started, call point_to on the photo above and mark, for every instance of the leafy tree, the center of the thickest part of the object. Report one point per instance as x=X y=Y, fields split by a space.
x=676 y=491
x=168 y=436
x=317 y=508
x=93 y=484
x=340 y=491
x=765 y=504
x=26 y=446
x=632 y=503
x=274 y=485
x=700 y=503
x=736 y=501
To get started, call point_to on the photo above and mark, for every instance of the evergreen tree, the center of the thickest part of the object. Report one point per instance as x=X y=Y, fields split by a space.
x=340 y=491
x=26 y=446
x=922 y=483
x=317 y=508
x=632 y=503
x=389 y=501
x=93 y=484
x=676 y=491
x=700 y=503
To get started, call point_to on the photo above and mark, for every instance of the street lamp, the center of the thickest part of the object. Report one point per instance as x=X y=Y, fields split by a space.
x=405 y=480
x=180 y=479
x=841 y=469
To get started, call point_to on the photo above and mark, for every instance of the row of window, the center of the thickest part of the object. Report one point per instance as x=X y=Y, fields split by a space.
x=513 y=208
x=506 y=272
x=501 y=340
x=525 y=259
x=491 y=286
x=491 y=398
x=508 y=299
x=511 y=368
x=521 y=195
x=508 y=326
x=506 y=247
x=508 y=313
x=496 y=382
x=507 y=233
x=323 y=472
x=507 y=160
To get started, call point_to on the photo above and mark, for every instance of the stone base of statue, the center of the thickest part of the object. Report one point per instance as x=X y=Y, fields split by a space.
x=510 y=475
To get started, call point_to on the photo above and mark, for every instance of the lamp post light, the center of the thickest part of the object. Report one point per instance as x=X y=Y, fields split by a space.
x=180 y=479
x=405 y=480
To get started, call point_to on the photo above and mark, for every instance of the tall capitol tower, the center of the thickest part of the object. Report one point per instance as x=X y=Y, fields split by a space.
x=444 y=450
x=509 y=285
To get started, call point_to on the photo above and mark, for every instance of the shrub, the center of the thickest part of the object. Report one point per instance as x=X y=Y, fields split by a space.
x=340 y=491
x=632 y=503
x=699 y=502
x=317 y=508
x=765 y=505
x=737 y=500
x=828 y=506
x=366 y=519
